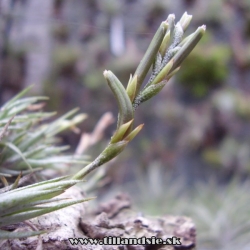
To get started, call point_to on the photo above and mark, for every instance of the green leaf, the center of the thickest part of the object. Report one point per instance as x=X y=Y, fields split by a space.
x=41 y=183
x=163 y=73
x=9 y=200
x=148 y=93
x=188 y=47
x=16 y=235
x=17 y=150
x=19 y=95
x=131 y=88
x=124 y=103
x=120 y=132
x=185 y=21
x=149 y=56
x=132 y=135
x=15 y=218
x=165 y=43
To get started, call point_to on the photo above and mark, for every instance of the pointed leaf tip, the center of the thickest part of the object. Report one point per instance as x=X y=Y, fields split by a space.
x=106 y=72
x=185 y=20
x=121 y=131
x=132 y=135
x=131 y=88
x=163 y=73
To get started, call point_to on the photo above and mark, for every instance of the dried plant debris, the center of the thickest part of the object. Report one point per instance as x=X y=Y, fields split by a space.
x=116 y=219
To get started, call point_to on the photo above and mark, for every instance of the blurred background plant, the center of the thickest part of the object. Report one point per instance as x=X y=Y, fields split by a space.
x=197 y=128
x=32 y=158
x=29 y=145
x=214 y=207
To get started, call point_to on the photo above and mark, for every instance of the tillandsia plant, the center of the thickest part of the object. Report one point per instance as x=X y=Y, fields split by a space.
x=165 y=54
x=28 y=145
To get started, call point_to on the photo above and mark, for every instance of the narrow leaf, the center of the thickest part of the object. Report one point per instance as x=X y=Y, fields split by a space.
x=163 y=73
x=17 y=150
x=188 y=47
x=131 y=88
x=149 y=56
x=15 y=235
x=132 y=135
x=15 y=218
x=124 y=103
x=120 y=132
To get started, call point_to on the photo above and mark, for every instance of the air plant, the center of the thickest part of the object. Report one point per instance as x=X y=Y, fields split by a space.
x=165 y=54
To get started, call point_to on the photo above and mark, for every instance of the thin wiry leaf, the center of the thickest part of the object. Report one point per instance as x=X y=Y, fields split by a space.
x=56 y=182
x=14 y=218
x=9 y=200
x=21 y=181
x=54 y=127
x=29 y=206
x=27 y=101
x=11 y=172
x=4 y=131
x=35 y=116
x=16 y=235
x=19 y=95
x=23 y=104
x=15 y=184
x=28 y=154
x=42 y=152
x=32 y=140
x=17 y=150
x=55 y=160
x=4 y=181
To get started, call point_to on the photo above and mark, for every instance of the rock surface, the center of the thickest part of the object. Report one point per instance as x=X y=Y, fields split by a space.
x=114 y=218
